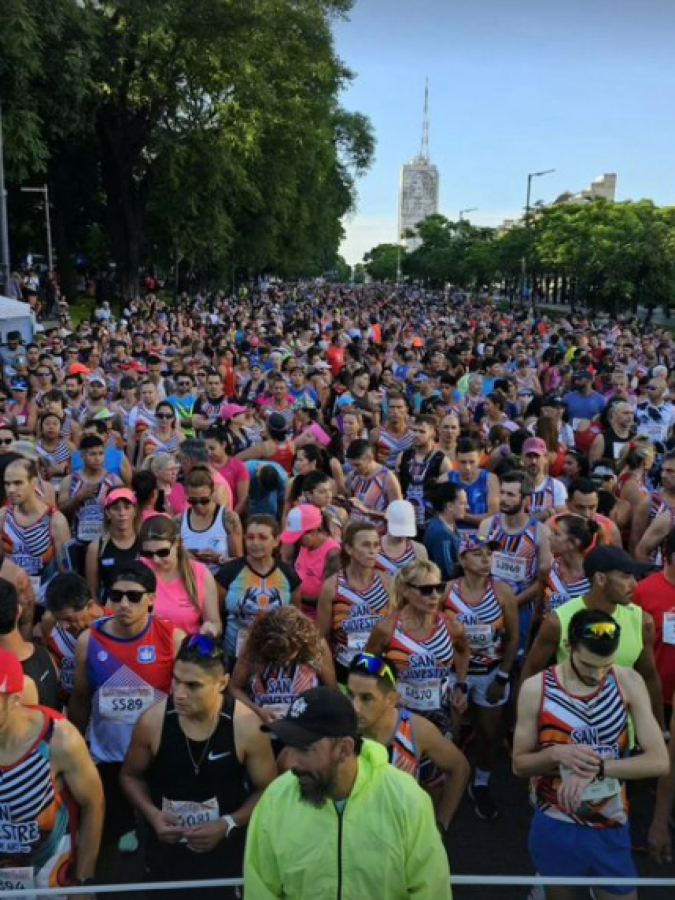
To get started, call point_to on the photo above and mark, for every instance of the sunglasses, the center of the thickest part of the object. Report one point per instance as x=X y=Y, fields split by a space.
x=164 y=416
x=132 y=596
x=374 y=665
x=599 y=630
x=204 y=645
x=44 y=374
x=427 y=590
x=199 y=501
x=184 y=383
x=159 y=554
x=5 y=442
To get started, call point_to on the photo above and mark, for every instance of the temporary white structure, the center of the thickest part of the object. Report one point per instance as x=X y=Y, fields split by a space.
x=16 y=316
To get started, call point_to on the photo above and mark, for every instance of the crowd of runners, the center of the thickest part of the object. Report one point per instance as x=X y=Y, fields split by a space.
x=283 y=576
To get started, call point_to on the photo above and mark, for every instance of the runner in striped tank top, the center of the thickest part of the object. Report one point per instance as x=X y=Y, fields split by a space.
x=429 y=650
x=45 y=775
x=33 y=534
x=487 y=610
x=655 y=518
x=392 y=439
x=413 y=742
x=70 y=611
x=284 y=656
x=521 y=545
x=54 y=452
x=354 y=600
x=572 y=739
x=397 y=548
x=369 y=487
x=571 y=538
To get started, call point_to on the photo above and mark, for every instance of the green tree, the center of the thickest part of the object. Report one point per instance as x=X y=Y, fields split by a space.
x=218 y=132
x=382 y=262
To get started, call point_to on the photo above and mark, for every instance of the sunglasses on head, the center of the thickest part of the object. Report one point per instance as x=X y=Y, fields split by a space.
x=373 y=665
x=116 y=596
x=159 y=554
x=204 y=645
x=599 y=630
x=426 y=590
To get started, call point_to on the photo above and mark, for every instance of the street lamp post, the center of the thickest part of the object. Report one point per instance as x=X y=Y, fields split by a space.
x=528 y=197
x=44 y=190
x=463 y=212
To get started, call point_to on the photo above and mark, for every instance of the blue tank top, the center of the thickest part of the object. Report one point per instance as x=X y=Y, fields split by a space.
x=476 y=495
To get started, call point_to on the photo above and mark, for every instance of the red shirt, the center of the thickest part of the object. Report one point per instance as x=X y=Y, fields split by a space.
x=335 y=357
x=656 y=595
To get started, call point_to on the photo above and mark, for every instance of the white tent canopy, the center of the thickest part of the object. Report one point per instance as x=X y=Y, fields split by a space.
x=16 y=316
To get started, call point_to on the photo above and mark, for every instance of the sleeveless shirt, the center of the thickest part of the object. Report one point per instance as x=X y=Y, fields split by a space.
x=37 y=820
x=219 y=789
x=126 y=676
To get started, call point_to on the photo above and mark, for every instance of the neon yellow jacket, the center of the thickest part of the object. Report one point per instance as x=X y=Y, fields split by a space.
x=385 y=844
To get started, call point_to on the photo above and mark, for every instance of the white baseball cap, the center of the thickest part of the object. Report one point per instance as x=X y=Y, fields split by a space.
x=401 y=519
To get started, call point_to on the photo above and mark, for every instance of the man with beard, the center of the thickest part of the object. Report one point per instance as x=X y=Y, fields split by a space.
x=360 y=827
x=547 y=494
x=420 y=467
x=523 y=554
x=97 y=397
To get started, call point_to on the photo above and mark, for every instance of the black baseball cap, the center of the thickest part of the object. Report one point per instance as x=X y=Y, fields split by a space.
x=613 y=559
x=319 y=713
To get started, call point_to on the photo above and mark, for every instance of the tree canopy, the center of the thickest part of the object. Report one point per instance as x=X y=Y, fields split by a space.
x=195 y=131
x=607 y=255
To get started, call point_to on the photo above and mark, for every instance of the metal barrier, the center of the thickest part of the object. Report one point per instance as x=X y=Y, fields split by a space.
x=496 y=881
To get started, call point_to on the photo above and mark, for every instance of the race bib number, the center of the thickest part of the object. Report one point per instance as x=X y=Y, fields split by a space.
x=190 y=813
x=423 y=696
x=18 y=879
x=125 y=704
x=596 y=790
x=89 y=524
x=619 y=447
x=509 y=568
x=669 y=628
x=279 y=709
x=357 y=640
x=480 y=636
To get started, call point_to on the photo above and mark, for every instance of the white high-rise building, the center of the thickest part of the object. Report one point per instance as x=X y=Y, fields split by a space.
x=418 y=196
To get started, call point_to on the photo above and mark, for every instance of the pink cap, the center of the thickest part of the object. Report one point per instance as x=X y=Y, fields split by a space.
x=230 y=410
x=535 y=445
x=301 y=519
x=121 y=493
x=318 y=434
x=11 y=674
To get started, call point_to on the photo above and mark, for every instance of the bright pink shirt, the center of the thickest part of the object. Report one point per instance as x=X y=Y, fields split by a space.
x=173 y=603
x=310 y=566
x=234 y=471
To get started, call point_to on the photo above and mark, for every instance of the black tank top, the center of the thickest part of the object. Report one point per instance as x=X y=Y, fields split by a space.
x=40 y=667
x=221 y=775
x=109 y=556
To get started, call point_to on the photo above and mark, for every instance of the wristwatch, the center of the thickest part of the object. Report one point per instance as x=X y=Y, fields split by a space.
x=230 y=824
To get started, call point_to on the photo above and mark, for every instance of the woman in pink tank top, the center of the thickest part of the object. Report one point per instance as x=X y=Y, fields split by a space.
x=186 y=590
x=316 y=551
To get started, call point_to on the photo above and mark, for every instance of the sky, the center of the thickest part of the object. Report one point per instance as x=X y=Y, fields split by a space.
x=515 y=86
